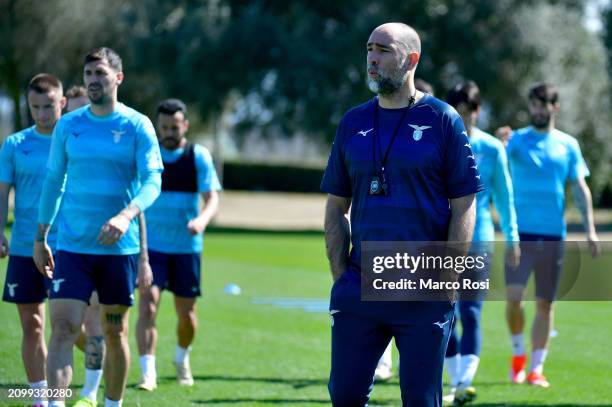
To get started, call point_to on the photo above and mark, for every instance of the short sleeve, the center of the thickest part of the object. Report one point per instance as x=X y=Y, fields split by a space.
x=336 y=180
x=577 y=165
x=7 y=167
x=460 y=169
x=148 y=156
x=207 y=175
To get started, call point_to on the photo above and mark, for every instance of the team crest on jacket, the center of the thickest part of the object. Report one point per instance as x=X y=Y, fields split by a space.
x=417 y=134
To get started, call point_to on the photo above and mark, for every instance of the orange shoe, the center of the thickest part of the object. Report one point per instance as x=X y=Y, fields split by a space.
x=517 y=373
x=537 y=379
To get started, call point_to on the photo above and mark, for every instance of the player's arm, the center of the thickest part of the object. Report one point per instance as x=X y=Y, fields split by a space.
x=462 y=183
x=209 y=187
x=463 y=219
x=504 y=134
x=337 y=233
x=4 y=195
x=145 y=274
x=50 y=200
x=149 y=165
x=584 y=203
x=115 y=227
x=210 y=208
x=503 y=198
x=7 y=177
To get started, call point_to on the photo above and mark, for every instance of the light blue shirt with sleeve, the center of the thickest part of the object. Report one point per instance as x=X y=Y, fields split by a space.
x=541 y=164
x=167 y=218
x=490 y=157
x=23 y=161
x=97 y=167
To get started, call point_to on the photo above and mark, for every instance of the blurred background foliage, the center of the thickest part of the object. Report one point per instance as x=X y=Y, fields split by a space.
x=266 y=70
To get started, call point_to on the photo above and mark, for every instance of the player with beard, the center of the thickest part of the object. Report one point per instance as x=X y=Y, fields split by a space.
x=429 y=197
x=104 y=169
x=175 y=242
x=384 y=369
x=91 y=340
x=542 y=160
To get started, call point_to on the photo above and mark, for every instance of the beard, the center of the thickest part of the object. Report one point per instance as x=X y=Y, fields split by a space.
x=387 y=82
x=97 y=96
x=540 y=121
x=170 y=143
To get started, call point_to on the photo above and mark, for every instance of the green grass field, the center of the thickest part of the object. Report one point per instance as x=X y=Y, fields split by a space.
x=248 y=354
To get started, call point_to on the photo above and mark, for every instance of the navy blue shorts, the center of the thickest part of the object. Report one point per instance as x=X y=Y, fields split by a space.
x=361 y=330
x=77 y=275
x=177 y=273
x=24 y=284
x=543 y=255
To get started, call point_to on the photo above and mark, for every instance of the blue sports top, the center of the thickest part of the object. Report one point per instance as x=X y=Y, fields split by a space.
x=23 y=161
x=167 y=218
x=429 y=163
x=541 y=164
x=107 y=163
x=493 y=167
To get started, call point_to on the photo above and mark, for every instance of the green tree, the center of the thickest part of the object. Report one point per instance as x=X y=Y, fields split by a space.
x=50 y=36
x=576 y=62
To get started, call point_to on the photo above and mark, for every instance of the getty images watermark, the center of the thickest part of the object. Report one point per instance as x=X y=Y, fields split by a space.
x=426 y=271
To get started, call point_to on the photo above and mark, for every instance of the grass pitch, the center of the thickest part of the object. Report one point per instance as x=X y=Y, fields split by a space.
x=251 y=354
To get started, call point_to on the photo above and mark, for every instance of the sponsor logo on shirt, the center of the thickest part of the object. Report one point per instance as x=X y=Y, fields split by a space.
x=364 y=132
x=441 y=324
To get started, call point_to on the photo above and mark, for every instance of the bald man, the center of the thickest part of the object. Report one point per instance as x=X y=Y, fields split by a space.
x=428 y=197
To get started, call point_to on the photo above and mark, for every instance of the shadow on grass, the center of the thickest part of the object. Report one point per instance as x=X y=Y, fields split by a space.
x=255 y=231
x=285 y=401
x=528 y=404
x=262 y=400
x=379 y=402
x=296 y=383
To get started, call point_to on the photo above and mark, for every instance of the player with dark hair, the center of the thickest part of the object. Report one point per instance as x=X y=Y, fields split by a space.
x=175 y=242
x=91 y=340
x=542 y=160
x=76 y=97
x=463 y=353
x=104 y=168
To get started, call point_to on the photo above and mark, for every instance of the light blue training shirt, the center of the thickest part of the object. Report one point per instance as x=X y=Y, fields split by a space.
x=107 y=163
x=167 y=218
x=541 y=164
x=23 y=161
x=493 y=167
